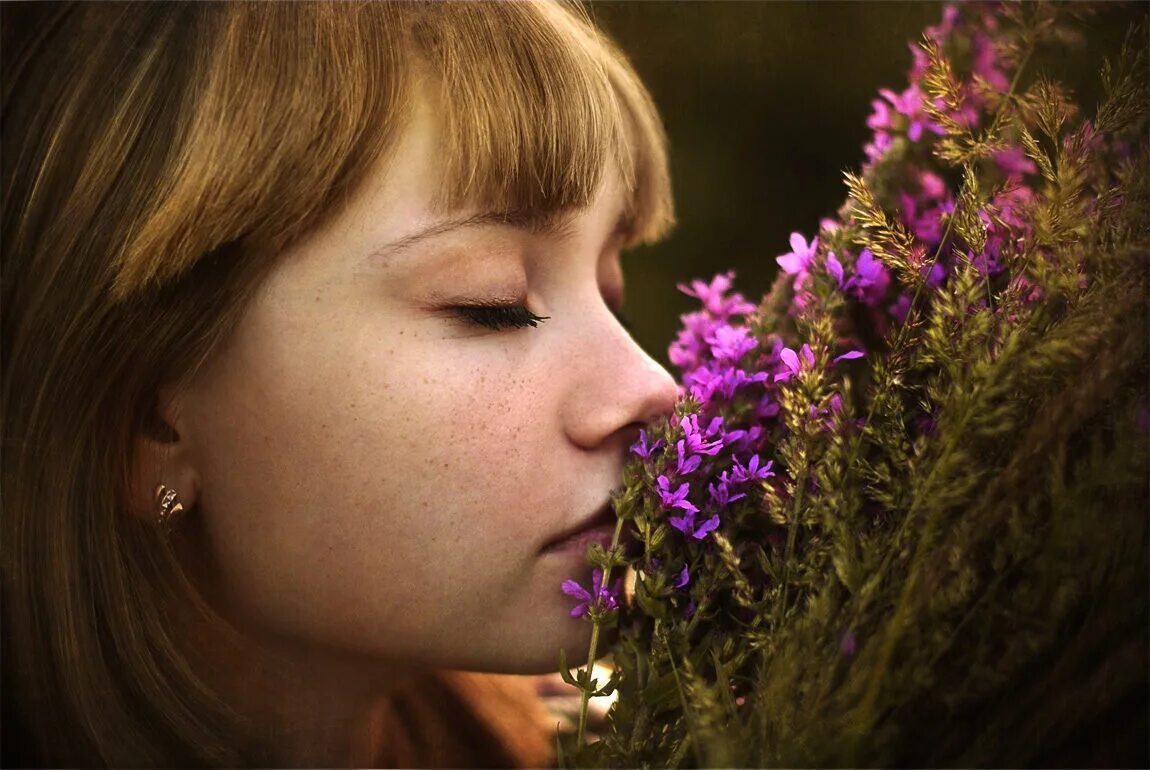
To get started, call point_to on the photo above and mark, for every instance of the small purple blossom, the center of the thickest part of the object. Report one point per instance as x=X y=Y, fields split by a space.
x=722 y=493
x=767 y=407
x=706 y=527
x=686 y=525
x=835 y=268
x=752 y=471
x=684 y=576
x=867 y=270
x=601 y=596
x=870 y=280
x=1013 y=162
x=685 y=464
x=730 y=343
x=909 y=105
x=697 y=439
x=797 y=261
x=716 y=378
x=878 y=146
x=676 y=499
x=848 y=356
x=791 y=363
x=713 y=296
x=641 y=448
x=749 y=439
x=900 y=308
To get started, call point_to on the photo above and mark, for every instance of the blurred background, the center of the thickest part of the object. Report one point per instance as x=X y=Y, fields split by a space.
x=765 y=105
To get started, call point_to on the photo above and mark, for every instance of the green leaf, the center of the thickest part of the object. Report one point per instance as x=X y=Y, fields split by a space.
x=565 y=670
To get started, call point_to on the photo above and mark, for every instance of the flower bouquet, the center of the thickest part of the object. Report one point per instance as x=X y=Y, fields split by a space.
x=899 y=516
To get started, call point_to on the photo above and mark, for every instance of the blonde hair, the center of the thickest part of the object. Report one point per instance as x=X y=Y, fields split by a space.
x=157 y=159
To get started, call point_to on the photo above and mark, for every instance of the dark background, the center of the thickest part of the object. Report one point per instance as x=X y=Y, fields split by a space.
x=765 y=105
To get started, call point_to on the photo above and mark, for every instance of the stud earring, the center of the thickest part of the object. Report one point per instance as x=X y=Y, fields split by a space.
x=170 y=508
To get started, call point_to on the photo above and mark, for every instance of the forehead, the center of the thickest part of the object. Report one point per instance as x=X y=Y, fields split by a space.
x=399 y=200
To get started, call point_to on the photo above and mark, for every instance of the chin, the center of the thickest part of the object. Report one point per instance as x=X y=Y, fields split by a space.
x=541 y=654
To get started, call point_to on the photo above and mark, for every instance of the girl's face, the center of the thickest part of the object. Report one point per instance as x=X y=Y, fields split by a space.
x=379 y=475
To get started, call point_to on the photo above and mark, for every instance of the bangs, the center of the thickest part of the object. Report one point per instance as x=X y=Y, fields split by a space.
x=535 y=104
x=276 y=112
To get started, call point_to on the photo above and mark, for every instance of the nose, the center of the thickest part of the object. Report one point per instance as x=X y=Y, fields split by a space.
x=617 y=388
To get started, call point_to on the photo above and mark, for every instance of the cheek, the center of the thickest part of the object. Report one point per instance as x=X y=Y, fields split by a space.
x=371 y=479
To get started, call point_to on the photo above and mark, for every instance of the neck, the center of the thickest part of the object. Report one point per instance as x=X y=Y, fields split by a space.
x=303 y=704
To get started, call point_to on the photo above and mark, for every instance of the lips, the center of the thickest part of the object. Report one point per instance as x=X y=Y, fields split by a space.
x=603 y=518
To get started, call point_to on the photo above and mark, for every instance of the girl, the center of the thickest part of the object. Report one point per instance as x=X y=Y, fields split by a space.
x=315 y=386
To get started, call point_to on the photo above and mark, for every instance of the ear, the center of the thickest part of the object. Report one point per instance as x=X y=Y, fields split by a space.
x=161 y=454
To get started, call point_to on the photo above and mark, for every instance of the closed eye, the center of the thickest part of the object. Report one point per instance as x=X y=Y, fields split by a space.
x=498 y=317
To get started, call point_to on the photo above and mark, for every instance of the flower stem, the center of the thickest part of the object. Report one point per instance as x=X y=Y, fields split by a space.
x=594 y=647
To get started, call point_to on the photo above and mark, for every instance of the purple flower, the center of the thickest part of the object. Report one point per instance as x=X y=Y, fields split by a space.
x=767 y=407
x=696 y=439
x=932 y=185
x=924 y=219
x=909 y=105
x=791 y=363
x=599 y=595
x=985 y=62
x=752 y=471
x=870 y=281
x=730 y=343
x=710 y=525
x=747 y=438
x=640 y=447
x=933 y=274
x=705 y=381
x=901 y=308
x=685 y=464
x=688 y=350
x=684 y=576
x=881 y=118
x=722 y=494
x=686 y=525
x=797 y=261
x=676 y=499
x=713 y=296
x=848 y=356
x=835 y=268
x=867 y=271
x=876 y=148
x=729 y=380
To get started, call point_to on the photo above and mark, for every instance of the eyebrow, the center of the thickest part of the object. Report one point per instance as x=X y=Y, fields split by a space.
x=557 y=224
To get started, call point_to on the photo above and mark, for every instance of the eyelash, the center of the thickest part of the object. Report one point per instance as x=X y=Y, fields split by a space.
x=498 y=317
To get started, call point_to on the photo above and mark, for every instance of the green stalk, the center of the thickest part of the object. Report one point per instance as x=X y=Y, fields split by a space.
x=904 y=329
x=586 y=690
x=902 y=607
